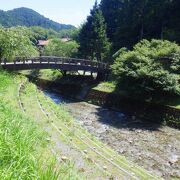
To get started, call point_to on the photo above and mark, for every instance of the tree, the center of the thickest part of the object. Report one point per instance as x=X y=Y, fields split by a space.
x=129 y=21
x=146 y=70
x=62 y=49
x=92 y=38
x=69 y=33
x=15 y=42
x=172 y=30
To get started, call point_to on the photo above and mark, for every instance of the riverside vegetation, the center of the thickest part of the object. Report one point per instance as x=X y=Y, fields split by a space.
x=33 y=144
x=24 y=148
x=140 y=42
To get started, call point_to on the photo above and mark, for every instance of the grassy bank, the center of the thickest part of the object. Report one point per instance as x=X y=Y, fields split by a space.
x=24 y=151
x=94 y=158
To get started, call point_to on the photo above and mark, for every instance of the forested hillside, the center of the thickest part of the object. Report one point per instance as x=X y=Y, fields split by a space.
x=28 y=17
x=130 y=21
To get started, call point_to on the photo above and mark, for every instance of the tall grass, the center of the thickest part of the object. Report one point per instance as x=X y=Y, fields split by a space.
x=23 y=146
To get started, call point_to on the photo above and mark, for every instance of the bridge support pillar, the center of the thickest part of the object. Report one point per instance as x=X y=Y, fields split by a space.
x=100 y=76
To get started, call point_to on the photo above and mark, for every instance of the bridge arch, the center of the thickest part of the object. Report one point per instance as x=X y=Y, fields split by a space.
x=52 y=62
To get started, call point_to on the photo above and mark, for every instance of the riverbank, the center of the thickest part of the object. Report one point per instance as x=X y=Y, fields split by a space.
x=76 y=153
x=148 y=144
x=102 y=94
x=25 y=152
x=154 y=147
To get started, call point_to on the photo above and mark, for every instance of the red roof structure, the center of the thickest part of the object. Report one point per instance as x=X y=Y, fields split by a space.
x=43 y=42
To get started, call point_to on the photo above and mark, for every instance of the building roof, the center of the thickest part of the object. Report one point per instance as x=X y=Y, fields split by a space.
x=43 y=42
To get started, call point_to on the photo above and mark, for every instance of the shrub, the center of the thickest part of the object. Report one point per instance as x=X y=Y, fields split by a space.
x=151 y=68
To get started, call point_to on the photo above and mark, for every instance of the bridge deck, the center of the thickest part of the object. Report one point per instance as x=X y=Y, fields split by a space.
x=68 y=64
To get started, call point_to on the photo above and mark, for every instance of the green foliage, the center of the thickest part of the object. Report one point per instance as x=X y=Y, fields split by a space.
x=16 y=42
x=130 y=21
x=92 y=38
x=25 y=152
x=62 y=49
x=42 y=33
x=69 y=33
x=146 y=70
x=28 y=17
x=108 y=86
x=175 y=64
x=118 y=53
x=21 y=140
x=38 y=33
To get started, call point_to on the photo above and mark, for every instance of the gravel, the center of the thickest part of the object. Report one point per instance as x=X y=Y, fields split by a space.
x=151 y=146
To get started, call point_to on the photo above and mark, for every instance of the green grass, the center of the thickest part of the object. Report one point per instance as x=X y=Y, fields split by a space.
x=24 y=152
x=173 y=103
x=46 y=74
x=34 y=111
x=108 y=86
x=63 y=120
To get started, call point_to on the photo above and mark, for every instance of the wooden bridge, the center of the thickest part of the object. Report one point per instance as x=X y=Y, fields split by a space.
x=51 y=62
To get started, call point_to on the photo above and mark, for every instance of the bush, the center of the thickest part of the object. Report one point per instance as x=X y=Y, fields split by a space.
x=151 y=68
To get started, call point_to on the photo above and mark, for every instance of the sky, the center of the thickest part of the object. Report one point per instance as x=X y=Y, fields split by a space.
x=63 y=11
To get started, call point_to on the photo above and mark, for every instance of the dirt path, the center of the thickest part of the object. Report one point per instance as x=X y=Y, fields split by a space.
x=155 y=148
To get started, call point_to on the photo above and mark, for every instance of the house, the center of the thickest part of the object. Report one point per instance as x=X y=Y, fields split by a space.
x=43 y=43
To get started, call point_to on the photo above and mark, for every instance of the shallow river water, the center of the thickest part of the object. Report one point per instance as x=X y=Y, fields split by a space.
x=155 y=148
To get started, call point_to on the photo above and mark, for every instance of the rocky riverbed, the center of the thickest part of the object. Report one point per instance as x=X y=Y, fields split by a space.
x=155 y=148
x=147 y=144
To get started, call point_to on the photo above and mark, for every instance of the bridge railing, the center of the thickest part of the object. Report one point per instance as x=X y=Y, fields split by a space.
x=60 y=60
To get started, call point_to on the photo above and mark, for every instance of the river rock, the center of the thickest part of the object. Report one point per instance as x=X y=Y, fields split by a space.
x=88 y=123
x=173 y=159
x=138 y=131
x=64 y=158
x=85 y=151
x=121 y=151
x=101 y=130
x=105 y=168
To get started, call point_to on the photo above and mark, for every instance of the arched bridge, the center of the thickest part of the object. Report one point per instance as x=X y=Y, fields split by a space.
x=51 y=62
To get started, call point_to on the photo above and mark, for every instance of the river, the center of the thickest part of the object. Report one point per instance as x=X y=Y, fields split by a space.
x=147 y=144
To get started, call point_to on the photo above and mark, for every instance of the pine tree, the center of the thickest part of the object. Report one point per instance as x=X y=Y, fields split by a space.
x=129 y=21
x=93 y=39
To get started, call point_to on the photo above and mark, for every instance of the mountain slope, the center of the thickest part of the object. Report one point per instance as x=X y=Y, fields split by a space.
x=28 y=17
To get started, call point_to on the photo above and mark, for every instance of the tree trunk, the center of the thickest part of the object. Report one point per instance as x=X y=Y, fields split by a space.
x=100 y=76
x=142 y=31
x=162 y=31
